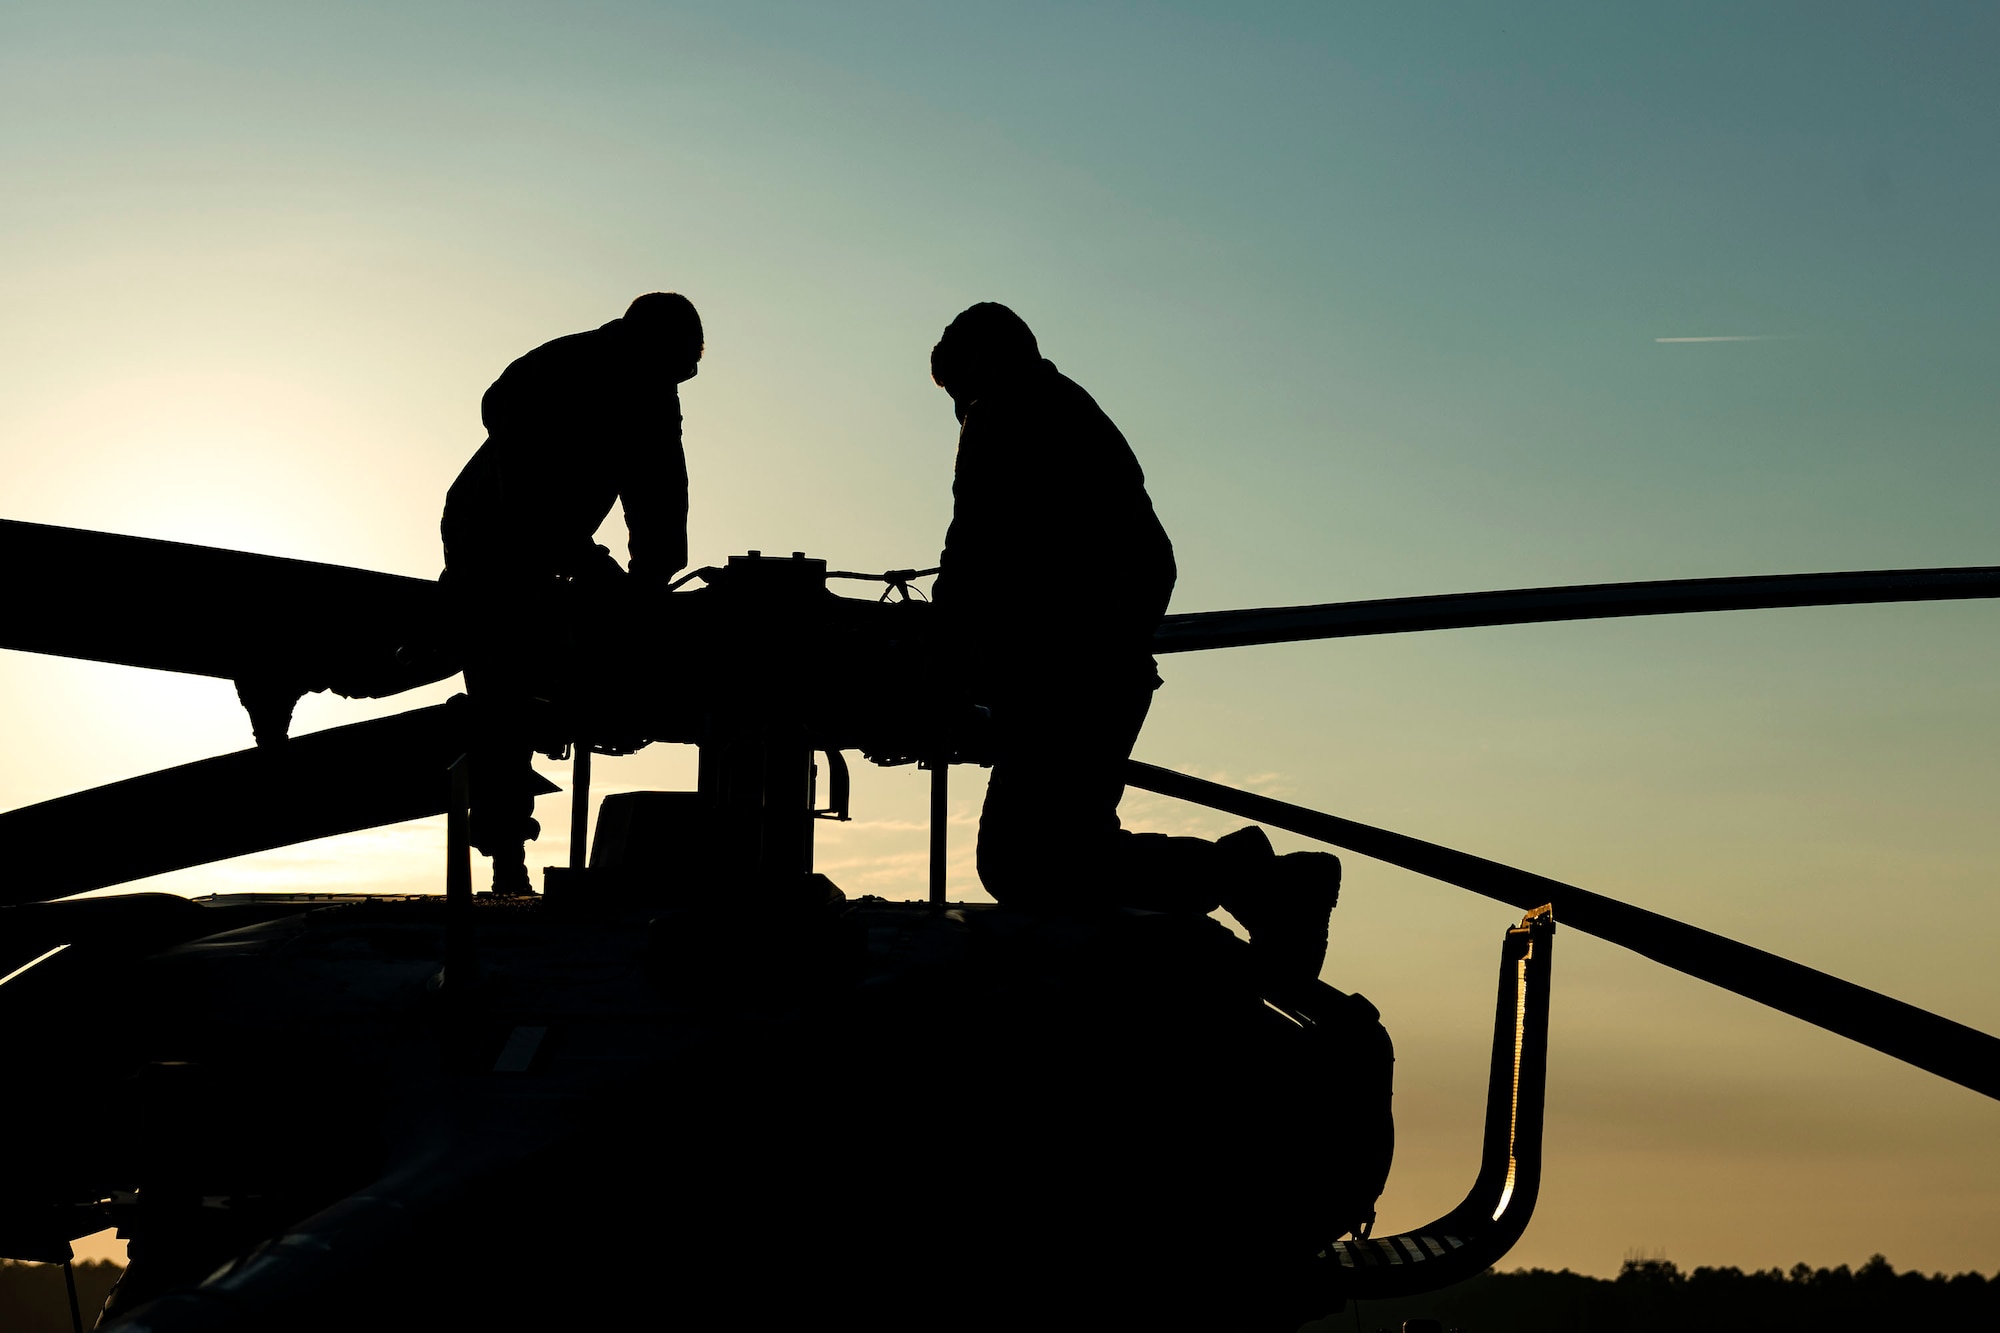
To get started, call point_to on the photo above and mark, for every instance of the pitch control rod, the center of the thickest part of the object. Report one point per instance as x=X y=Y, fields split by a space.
x=1950 y=1050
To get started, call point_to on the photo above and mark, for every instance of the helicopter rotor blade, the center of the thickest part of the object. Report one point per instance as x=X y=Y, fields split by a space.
x=208 y=611
x=360 y=776
x=1929 y=1041
x=1201 y=630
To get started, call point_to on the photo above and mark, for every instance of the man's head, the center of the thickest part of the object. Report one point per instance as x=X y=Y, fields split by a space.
x=669 y=325
x=987 y=345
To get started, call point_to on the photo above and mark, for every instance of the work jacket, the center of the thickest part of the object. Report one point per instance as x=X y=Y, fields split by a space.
x=571 y=427
x=1055 y=567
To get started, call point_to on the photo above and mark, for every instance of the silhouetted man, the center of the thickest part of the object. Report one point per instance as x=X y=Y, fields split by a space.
x=1054 y=576
x=573 y=426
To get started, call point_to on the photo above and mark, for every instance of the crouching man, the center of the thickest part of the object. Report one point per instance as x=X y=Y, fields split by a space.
x=1054 y=576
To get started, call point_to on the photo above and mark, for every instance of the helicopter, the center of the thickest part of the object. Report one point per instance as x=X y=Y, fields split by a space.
x=307 y=1110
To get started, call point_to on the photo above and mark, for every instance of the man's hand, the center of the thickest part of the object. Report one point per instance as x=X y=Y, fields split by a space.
x=600 y=567
x=650 y=582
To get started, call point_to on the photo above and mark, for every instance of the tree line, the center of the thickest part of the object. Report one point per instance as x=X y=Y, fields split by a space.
x=1654 y=1295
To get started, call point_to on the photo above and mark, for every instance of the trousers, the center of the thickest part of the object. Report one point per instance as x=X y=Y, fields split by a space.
x=502 y=672
x=1049 y=833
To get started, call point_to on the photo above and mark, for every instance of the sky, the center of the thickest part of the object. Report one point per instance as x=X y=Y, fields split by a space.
x=1390 y=299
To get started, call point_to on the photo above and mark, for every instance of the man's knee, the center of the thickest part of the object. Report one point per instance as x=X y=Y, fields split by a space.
x=1170 y=874
x=1039 y=858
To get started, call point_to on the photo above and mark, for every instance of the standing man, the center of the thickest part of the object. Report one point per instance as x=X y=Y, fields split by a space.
x=571 y=427
x=1054 y=576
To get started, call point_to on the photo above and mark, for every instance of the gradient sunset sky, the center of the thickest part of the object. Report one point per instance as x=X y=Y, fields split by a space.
x=1390 y=299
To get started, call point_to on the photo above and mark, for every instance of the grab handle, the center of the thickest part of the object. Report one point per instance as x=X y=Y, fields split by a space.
x=1478 y=1233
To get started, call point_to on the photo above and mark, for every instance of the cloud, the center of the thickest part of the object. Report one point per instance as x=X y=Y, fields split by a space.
x=1732 y=338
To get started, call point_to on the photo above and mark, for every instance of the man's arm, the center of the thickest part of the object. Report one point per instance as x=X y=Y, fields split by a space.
x=989 y=530
x=654 y=491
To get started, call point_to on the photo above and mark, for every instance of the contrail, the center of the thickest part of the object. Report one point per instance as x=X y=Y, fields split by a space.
x=1731 y=338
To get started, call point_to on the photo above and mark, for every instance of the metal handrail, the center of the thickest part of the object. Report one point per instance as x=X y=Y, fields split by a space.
x=1476 y=1234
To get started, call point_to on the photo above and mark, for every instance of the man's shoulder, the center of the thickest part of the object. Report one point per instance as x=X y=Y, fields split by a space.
x=1063 y=404
x=1039 y=397
x=1056 y=394
x=572 y=349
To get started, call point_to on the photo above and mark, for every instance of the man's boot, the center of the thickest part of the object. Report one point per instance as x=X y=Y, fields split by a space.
x=510 y=873
x=510 y=864
x=1285 y=902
